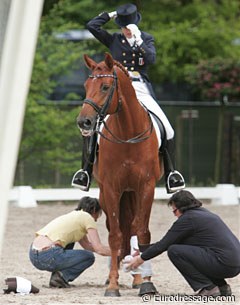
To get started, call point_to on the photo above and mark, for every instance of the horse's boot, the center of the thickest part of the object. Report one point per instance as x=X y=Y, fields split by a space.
x=173 y=179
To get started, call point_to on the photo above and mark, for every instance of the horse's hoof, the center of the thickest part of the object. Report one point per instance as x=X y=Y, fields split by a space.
x=112 y=293
x=147 y=288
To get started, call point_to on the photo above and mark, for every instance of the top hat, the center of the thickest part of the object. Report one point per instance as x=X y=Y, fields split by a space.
x=127 y=14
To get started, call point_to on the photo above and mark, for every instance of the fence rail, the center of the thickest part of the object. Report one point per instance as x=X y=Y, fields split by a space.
x=26 y=196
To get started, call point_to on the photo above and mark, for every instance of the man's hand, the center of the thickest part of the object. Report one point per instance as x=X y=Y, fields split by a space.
x=136 y=253
x=134 y=263
x=96 y=244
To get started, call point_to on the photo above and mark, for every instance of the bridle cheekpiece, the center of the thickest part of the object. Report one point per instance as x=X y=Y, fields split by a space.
x=102 y=111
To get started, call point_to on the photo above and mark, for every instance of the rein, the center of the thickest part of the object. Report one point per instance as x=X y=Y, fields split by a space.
x=138 y=138
x=102 y=112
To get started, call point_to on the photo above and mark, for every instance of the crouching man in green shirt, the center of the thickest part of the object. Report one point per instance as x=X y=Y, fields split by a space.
x=48 y=251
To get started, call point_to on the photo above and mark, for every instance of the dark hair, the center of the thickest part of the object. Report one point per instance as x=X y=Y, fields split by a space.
x=184 y=200
x=89 y=205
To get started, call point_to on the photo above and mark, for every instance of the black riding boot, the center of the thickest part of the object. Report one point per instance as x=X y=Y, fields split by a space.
x=82 y=178
x=173 y=179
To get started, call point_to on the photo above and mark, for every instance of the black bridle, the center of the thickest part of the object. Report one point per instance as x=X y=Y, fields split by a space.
x=102 y=112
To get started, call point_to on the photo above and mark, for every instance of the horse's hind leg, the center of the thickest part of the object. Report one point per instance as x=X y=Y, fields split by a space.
x=137 y=281
x=141 y=222
x=137 y=274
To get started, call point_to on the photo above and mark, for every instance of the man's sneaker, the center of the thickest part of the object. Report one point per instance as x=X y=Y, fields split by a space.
x=175 y=182
x=81 y=180
x=57 y=281
x=225 y=290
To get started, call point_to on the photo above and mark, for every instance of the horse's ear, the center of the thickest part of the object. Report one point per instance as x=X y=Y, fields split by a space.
x=90 y=63
x=109 y=61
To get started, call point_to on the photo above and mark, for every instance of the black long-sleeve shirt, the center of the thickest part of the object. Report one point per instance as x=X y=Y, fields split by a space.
x=201 y=228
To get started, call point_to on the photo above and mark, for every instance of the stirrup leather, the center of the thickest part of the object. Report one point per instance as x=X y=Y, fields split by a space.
x=78 y=182
x=179 y=184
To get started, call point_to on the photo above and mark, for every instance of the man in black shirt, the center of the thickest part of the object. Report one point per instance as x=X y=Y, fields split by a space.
x=200 y=245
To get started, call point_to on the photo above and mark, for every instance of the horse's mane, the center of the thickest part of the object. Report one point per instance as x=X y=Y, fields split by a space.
x=121 y=67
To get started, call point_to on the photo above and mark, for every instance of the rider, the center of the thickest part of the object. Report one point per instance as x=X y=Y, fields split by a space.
x=135 y=50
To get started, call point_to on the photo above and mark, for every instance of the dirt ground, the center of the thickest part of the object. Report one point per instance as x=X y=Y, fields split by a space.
x=89 y=289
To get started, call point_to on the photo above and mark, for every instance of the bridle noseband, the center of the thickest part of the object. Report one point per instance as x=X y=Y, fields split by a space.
x=102 y=112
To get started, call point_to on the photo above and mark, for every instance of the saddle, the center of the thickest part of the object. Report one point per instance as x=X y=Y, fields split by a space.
x=161 y=128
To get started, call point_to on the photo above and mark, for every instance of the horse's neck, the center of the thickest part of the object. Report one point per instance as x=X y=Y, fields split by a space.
x=132 y=114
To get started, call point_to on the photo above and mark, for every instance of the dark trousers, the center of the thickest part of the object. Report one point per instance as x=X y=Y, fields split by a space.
x=200 y=267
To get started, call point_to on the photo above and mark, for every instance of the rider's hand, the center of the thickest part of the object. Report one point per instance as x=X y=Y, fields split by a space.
x=135 y=33
x=112 y=15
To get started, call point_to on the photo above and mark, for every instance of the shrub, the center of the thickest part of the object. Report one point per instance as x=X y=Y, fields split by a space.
x=216 y=78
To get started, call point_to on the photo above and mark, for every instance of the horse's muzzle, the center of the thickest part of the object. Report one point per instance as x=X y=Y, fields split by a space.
x=86 y=125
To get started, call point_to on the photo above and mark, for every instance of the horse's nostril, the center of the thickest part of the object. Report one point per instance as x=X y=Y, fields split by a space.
x=87 y=124
x=84 y=123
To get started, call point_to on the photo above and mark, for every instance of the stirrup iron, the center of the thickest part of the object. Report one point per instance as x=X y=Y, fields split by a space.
x=78 y=182
x=179 y=184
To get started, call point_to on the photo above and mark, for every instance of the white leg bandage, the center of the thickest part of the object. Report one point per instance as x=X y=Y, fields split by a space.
x=146 y=268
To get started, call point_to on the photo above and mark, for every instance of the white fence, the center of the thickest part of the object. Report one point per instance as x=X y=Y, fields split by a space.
x=26 y=196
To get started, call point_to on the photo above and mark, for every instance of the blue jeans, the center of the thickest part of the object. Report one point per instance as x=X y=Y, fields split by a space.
x=71 y=263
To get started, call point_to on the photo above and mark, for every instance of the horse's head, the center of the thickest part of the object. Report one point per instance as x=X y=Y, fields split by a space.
x=101 y=94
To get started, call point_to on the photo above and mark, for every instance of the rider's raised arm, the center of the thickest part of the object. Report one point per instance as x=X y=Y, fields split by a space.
x=95 y=27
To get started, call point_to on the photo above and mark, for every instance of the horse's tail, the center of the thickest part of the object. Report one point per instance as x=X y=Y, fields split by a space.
x=126 y=219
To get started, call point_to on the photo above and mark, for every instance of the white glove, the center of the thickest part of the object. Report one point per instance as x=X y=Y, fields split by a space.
x=135 y=33
x=112 y=15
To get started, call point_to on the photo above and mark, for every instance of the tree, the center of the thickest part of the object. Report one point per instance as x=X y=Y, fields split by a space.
x=187 y=32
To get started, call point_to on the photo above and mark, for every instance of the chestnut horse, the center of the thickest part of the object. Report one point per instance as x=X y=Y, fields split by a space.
x=127 y=166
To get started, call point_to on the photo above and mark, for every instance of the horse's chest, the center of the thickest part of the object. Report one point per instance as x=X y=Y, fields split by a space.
x=126 y=169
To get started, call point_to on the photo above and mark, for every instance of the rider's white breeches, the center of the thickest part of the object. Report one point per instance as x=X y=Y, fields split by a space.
x=148 y=101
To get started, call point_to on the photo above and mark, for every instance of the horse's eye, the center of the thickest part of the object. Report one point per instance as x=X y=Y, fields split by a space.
x=104 y=88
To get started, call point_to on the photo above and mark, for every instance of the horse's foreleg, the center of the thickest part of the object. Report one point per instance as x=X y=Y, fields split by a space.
x=113 y=287
x=115 y=241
